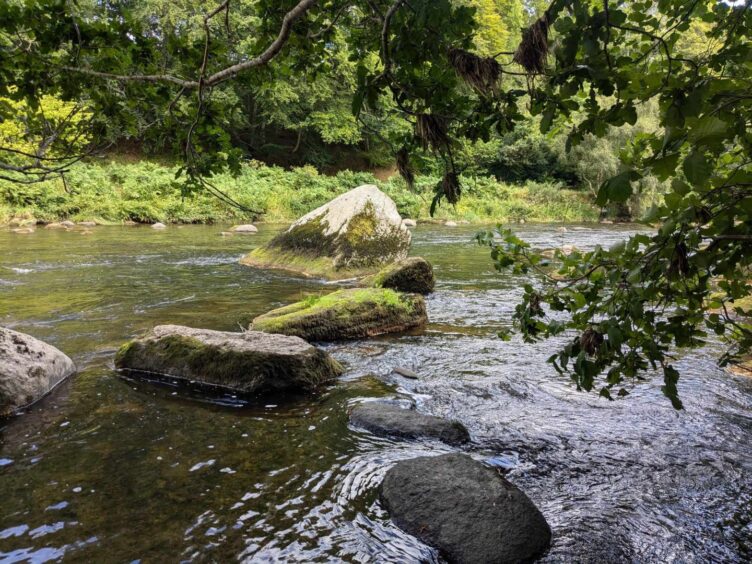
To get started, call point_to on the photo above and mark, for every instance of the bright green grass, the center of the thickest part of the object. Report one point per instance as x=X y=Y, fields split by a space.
x=113 y=192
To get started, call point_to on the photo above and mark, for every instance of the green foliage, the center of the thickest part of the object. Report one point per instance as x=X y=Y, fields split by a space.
x=631 y=305
x=145 y=192
x=612 y=66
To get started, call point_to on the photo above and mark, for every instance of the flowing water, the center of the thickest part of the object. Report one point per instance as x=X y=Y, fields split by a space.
x=111 y=470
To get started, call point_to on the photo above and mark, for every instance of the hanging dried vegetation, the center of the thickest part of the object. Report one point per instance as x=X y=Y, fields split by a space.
x=590 y=341
x=450 y=187
x=431 y=130
x=533 y=50
x=405 y=167
x=481 y=73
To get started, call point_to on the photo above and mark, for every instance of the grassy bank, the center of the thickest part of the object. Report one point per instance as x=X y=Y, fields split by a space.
x=114 y=192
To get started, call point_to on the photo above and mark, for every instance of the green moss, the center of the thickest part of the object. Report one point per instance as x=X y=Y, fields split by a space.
x=346 y=314
x=189 y=358
x=121 y=356
x=414 y=274
x=342 y=303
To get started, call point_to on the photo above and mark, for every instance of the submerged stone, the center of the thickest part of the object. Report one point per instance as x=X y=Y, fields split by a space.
x=465 y=509
x=346 y=314
x=413 y=274
x=246 y=228
x=249 y=362
x=392 y=421
x=353 y=235
x=29 y=368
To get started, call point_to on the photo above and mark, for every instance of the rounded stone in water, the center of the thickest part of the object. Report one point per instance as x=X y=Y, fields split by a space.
x=465 y=509
x=29 y=368
x=389 y=420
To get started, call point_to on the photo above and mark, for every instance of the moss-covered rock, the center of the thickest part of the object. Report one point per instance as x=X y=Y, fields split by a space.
x=249 y=362
x=353 y=235
x=414 y=274
x=346 y=314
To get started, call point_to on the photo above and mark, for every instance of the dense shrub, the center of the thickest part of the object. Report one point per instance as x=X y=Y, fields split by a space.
x=148 y=192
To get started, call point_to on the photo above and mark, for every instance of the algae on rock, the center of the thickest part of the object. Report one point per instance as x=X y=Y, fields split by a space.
x=353 y=235
x=346 y=314
x=413 y=274
x=249 y=362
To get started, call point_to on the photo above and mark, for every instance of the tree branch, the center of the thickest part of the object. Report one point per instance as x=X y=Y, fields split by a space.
x=220 y=76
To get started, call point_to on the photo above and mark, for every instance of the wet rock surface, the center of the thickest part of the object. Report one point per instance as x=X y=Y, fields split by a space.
x=413 y=274
x=346 y=314
x=29 y=368
x=465 y=509
x=249 y=362
x=390 y=420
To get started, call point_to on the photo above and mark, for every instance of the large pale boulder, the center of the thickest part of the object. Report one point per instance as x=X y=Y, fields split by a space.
x=29 y=368
x=250 y=362
x=353 y=235
x=353 y=313
x=393 y=421
x=465 y=509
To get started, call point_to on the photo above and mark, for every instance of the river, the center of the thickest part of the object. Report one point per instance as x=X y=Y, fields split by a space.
x=112 y=470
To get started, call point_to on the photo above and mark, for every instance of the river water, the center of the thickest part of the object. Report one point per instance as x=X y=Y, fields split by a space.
x=111 y=470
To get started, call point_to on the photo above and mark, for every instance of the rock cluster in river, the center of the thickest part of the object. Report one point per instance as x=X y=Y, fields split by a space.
x=29 y=369
x=465 y=509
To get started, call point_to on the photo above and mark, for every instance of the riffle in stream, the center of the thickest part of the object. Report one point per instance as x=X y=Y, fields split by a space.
x=110 y=469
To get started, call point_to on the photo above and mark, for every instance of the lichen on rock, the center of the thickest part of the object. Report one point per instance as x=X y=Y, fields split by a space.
x=29 y=369
x=346 y=314
x=353 y=235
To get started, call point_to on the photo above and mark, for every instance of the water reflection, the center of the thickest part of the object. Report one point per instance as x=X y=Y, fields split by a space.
x=113 y=469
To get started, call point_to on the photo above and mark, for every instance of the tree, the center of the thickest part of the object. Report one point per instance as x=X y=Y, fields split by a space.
x=630 y=305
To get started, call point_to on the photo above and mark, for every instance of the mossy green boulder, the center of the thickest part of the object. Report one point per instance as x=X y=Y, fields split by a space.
x=413 y=274
x=249 y=363
x=353 y=313
x=354 y=235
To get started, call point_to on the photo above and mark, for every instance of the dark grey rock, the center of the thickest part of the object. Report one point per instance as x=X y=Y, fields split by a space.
x=389 y=420
x=413 y=274
x=465 y=509
x=29 y=368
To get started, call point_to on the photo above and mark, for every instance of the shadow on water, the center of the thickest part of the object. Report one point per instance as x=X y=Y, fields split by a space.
x=110 y=468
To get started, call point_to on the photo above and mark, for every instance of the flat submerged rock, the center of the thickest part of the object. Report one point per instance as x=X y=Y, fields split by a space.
x=465 y=509
x=250 y=362
x=392 y=421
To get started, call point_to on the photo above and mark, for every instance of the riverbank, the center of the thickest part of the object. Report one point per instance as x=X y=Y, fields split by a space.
x=147 y=192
